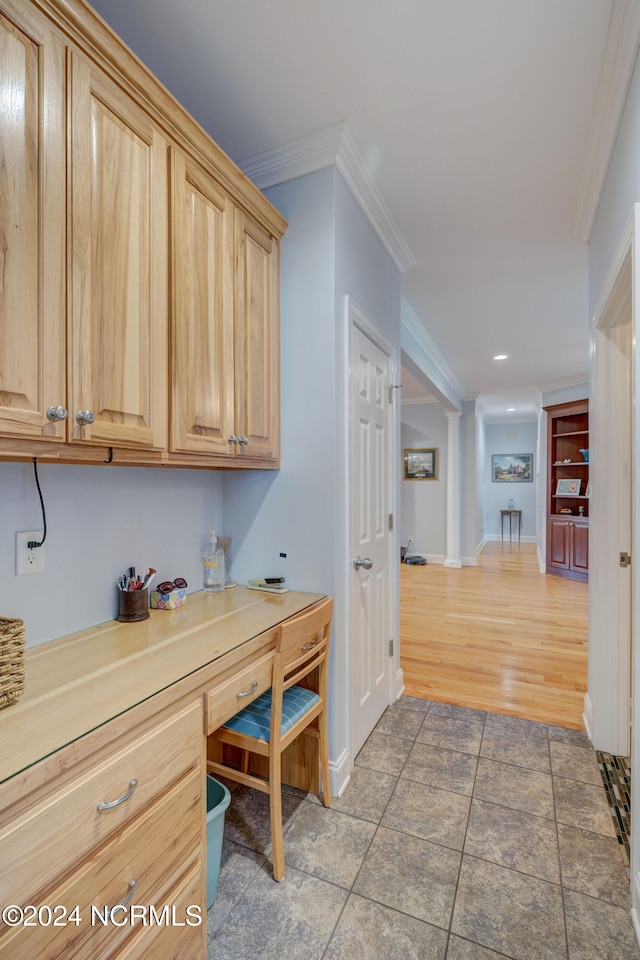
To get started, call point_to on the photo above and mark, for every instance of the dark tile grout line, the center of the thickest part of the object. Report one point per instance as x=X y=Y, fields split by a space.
x=413 y=740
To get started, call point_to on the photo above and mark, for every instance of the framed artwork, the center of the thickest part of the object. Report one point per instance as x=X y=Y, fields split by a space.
x=420 y=463
x=568 y=488
x=512 y=467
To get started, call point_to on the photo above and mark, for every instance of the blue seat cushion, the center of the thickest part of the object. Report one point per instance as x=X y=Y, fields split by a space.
x=255 y=720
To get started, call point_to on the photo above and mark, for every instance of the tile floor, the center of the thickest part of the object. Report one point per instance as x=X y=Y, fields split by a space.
x=461 y=835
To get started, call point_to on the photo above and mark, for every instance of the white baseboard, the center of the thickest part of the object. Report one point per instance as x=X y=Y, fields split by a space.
x=525 y=538
x=441 y=559
x=587 y=717
x=481 y=545
x=636 y=924
x=399 y=683
x=340 y=772
x=635 y=897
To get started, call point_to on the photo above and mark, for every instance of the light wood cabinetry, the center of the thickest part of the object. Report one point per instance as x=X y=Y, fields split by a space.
x=158 y=335
x=202 y=348
x=257 y=341
x=118 y=279
x=122 y=831
x=102 y=776
x=32 y=224
x=568 y=486
x=225 y=344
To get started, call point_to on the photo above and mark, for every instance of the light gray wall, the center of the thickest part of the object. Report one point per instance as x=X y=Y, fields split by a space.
x=100 y=520
x=578 y=391
x=424 y=502
x=328 y=251
x=497 y=495
x=621 y=191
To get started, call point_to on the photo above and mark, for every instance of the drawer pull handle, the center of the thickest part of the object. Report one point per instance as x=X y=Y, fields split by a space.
x=116 y=803
x=310 y=646
x=247 y=693
x=132 y=889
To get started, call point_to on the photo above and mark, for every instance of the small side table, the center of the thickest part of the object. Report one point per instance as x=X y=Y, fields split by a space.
x=511 y=514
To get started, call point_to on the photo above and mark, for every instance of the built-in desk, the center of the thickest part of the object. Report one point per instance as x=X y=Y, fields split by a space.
x=102 y=771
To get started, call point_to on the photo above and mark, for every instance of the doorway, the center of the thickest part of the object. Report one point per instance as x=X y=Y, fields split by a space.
x=372 y=573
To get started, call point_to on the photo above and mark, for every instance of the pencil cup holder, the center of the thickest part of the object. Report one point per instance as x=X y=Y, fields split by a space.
x=133 y=605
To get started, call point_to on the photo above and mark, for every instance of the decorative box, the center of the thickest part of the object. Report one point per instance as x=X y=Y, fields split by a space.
x=168 y=601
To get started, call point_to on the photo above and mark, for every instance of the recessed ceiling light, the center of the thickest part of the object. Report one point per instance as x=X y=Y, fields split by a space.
x=511 y=409
x=500 y=356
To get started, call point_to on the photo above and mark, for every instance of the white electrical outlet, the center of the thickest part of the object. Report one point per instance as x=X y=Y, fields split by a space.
x=29 y=559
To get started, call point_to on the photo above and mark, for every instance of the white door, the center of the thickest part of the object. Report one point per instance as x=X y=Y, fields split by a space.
x=370 y=507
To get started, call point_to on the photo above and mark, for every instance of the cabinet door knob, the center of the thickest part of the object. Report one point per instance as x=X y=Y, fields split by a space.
x=233 y=439
x=57 y=413
x=85 y=417
x=243 y=441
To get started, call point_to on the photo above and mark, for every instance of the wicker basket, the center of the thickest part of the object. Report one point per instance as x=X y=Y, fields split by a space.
x=11 y=660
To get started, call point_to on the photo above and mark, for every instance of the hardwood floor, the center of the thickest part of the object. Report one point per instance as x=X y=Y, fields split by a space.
x=500 y=636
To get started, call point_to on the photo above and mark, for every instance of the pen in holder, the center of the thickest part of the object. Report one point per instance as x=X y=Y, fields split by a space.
x=133 y=605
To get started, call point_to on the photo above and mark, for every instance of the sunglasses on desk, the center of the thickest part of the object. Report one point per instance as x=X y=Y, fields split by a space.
x=168 y=585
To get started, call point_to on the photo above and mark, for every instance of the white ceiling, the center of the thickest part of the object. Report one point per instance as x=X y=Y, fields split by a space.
x=473 y=118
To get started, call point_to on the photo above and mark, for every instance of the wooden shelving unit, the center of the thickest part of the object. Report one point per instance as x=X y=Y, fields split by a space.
x=568 y=490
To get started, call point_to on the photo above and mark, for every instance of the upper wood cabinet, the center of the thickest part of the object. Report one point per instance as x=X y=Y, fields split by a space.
x=139 y=266
x=32 y=225
x=202 y=351
x=224 y=334
x=257 y=341
x=118 y=280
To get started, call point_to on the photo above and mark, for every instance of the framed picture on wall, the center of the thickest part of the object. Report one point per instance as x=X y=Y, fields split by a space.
x=420 y=463
x=512 y=467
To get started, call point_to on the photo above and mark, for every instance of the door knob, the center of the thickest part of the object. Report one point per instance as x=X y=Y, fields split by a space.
x=57 y=413
x=85 y=417
x=366 y=563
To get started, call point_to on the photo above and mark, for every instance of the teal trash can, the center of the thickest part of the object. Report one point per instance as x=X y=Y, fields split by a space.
x=218 y=799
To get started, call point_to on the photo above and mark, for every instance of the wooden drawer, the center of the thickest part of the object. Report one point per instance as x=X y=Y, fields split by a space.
x=229 y=697
x=151 y=850
x=42 y=843
x=188 y=942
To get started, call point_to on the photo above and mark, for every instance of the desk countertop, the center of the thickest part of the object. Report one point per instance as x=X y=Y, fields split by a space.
x=78 y=682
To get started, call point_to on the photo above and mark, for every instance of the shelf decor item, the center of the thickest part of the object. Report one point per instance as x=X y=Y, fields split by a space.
x=585 y=455
x=512 y=467
x=420 y=463
x=12 y=643
x=568 y=488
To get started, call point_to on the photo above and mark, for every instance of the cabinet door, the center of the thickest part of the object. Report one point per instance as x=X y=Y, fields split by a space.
x=580 y=547
x=559 y=544
x=32 y=226
x=257 y=342
x=202 y=362
x=119 y=255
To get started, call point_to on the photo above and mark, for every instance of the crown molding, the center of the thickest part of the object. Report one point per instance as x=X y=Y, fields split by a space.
x=618 y=62
x=334 y=146
x=412 y=325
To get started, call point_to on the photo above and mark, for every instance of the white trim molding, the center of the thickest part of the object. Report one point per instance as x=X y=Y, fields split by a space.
x=339 y=773
x=618 y=62
x=333 y=146
x=412 y=325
